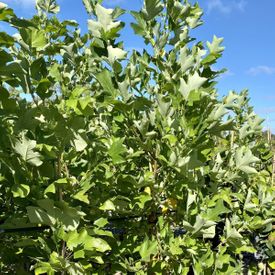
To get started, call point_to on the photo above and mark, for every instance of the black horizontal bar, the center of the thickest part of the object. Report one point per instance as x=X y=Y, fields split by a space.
x=42 y=228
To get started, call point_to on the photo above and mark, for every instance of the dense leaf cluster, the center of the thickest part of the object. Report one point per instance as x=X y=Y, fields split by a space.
x=116 y=162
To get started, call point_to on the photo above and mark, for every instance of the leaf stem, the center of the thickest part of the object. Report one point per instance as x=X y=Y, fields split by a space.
x=60 y=196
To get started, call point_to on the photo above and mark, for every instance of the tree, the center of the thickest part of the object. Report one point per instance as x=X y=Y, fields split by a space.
x=127 y=162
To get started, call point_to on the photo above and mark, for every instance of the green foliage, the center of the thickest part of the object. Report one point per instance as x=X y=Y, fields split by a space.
x=115 y=162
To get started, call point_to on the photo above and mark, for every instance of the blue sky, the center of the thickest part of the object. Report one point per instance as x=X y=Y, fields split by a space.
x=248 y=28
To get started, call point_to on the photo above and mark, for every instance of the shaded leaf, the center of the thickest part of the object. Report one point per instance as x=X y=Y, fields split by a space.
x=25 y=148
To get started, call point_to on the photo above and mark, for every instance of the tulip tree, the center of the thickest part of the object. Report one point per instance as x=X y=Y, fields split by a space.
x=127 y=162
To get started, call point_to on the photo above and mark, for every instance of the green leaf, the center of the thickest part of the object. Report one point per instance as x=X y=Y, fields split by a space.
x=48 y=6
x=140 y=27
x=201 y=224
x=175 y=248
x=55 y=73
x=148 y=248
x=142 y=199
x=171 y=138
x=25 y=148
x=245 y=248
x=219 y=209
x=75 y=239
x=101 y=222
x=20 y=190
x=81 y=196
x=44 y=268
x=209 y=233
x=106 y=26
x=97 y=244
x=33 y=37
x=151 y=9
x=164 y=106
x=79 y=143
x=244 y=158
x=186 y=60
x=194 y=82
x=38 y=39
x=50 y=189
x=39 y=69
x=67 y=215
x=143 y=162
x=88 y=5
x=5 y=57
x=272 y=264
x=6 y=40
x=215 y=47
x=217 y=113
x=39 y=216
x=116 y=150
x=115 y=54
x=105 y=80
x=50 y=213
x=107 y=205
x=231 y=233
x=85 y=186
x=43 y=88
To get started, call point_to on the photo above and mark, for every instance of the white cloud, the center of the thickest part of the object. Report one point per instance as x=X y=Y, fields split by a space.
x=226 y=6
x=24 y=3
x=267 y=110
x=240 y=5
x=262 y=69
